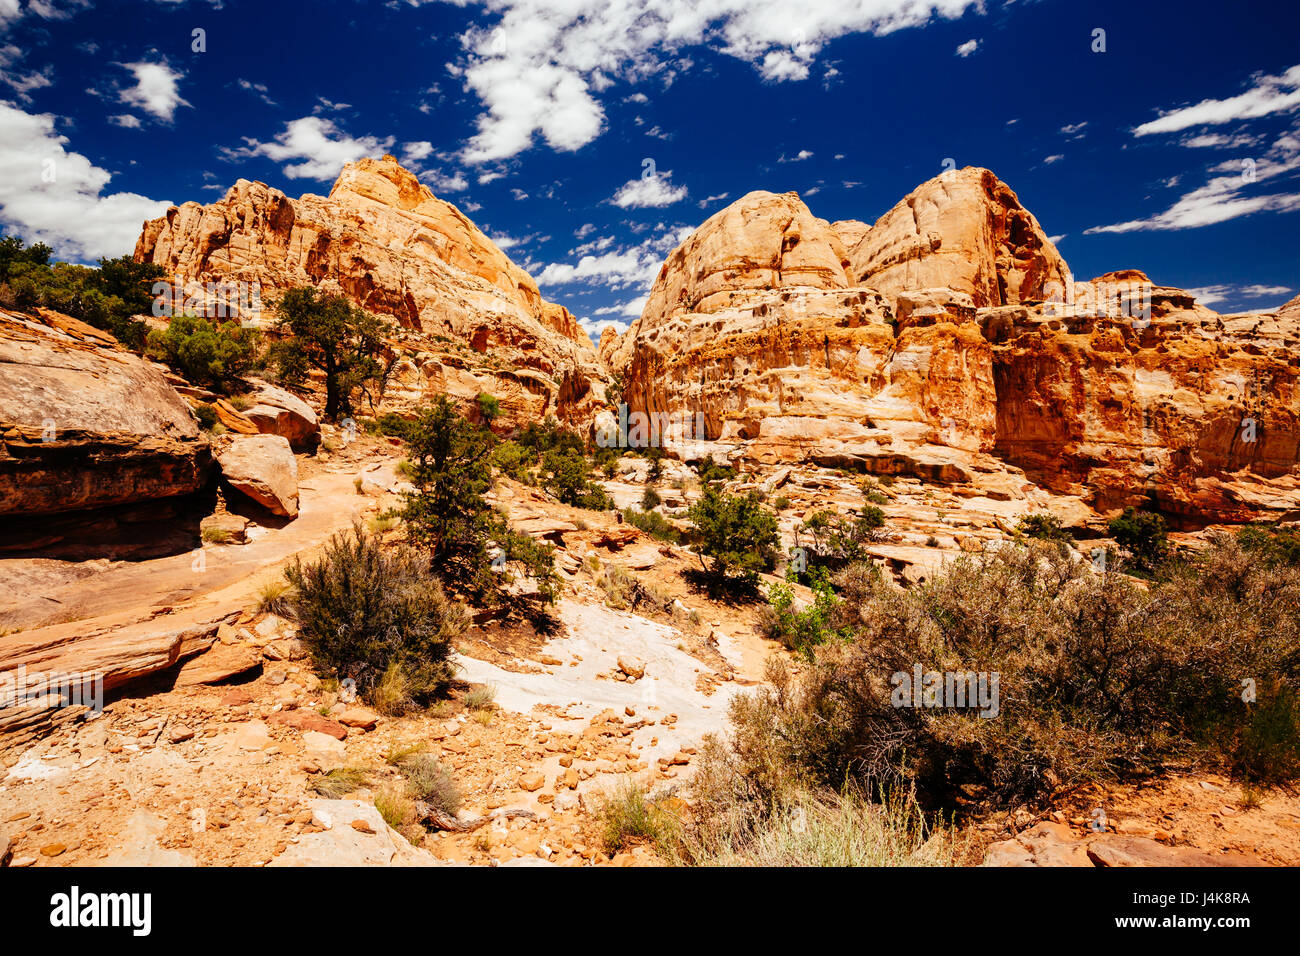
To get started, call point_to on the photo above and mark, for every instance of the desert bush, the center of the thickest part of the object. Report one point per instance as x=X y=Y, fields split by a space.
x=803 y=630
x=711 y=471
x=630 y=817
x=448 y=515
x=481 y=697
x=428 y=781
x=274 y=598
x=565 y=475
x=624 y=592
x=737 y=534
x=650 y=500
x=653 y=524
x=1098 y=677
x=838 y=539
x=1271 y=544
x=1042 y=526
x=207 y=416
x=339 y=782
x=369 y=614
x=830 y=829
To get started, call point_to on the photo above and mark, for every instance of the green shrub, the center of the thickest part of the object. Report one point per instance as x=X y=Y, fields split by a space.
x=488 y=407
x=1142 y=537
x=565 y=475
x=447 y=513
x=803 y=630
x=216 y=355
x=711 y=471
x=365 y=612
x=630 y=817
x=653 y=524
x=207 y=416
x=737 y=534
x=1043 y=526
x=650 y=500
x=841 y=539
x=1271 y=544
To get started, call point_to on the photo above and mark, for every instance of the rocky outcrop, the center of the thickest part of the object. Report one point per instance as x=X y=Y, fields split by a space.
x=277 y=412
x=754 y=333
x=951 y=342
x=91 y=436
x=454 y=298
x=964 y=230
x=262 y=468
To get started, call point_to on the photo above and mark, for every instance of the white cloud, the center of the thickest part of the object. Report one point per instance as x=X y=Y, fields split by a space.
x=1269 y=94
x=414 y=152
x=1074 y=130
x=257 y=89
x=653 y=191
x=156 y=90
x=71 y=212
x=1219 y=141
x=322 y=147
x=126 y=121
x=798 y=157
x=537 y=70
x=710 y=200
x=1238 y=192
x=1054 y=158
x=967 y=48
x=1054 y=240
x=630 y=267
x=1210 y=294
x=21 y=83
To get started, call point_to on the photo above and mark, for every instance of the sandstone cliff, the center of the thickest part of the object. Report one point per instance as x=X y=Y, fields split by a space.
x=466 y=318
x=964 y=230
x=923 y=345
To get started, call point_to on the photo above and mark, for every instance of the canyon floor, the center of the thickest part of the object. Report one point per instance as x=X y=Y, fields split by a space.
x=232 y=756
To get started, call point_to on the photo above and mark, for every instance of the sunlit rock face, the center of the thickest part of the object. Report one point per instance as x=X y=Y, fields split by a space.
x=466 y=318
x=950 y=341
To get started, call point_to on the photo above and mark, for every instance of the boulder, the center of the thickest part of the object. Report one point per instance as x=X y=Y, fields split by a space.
x=277 y=412
x=92 y=439
x=263 y=468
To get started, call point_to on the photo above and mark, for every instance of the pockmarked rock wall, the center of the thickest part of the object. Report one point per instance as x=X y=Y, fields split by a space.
x=949 y=340
x=465 y=317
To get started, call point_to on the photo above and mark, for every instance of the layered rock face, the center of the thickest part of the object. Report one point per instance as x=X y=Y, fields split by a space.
x=964 y=230
x=756 y=331
x=466 y=318
x=924 y=345
x=92 y=438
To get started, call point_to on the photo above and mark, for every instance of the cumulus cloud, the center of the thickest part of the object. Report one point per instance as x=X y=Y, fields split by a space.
x=967 y=48
x=51 y=195
x=1267 y=94
x=652 y=191
x=539 y=68
x=156 y=90
x=313 y=147
x=126 y=121
x=632 y=267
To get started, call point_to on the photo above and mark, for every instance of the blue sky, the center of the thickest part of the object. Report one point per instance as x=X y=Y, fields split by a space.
x=590 y=136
